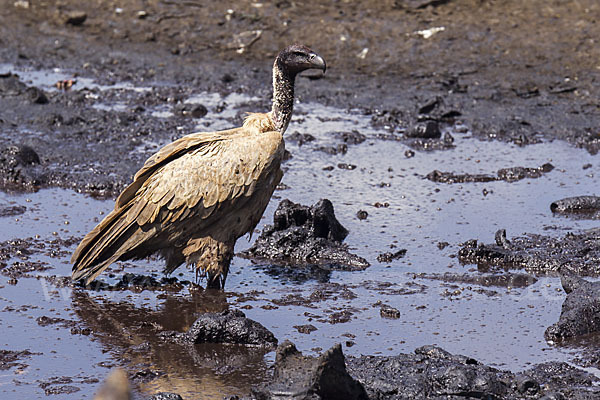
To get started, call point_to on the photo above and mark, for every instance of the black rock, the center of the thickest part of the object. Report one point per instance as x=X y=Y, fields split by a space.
x=303 y=378
x=580 y=313
x=230 y=326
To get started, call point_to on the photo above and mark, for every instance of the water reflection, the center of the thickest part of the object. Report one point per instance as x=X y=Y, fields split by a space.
x=131 y=334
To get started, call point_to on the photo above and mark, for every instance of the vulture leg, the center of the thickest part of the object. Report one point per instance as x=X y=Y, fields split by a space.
x=211 y=258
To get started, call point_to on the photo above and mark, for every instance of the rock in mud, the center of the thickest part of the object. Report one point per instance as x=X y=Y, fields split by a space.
x=310 y=378
x=578 y=206
x=389 y=312
x=427 y=130
x=580 y=313
x=433 y=373
x=302 y=235
x=230 y=327
x=20 y=168
x=572 y=254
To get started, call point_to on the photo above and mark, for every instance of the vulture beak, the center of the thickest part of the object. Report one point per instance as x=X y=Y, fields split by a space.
x=317 y=62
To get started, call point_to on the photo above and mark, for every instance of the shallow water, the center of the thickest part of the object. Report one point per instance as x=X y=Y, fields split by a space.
x=498 y=326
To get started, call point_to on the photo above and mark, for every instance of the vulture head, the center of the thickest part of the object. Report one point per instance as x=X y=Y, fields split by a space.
x=297 y=58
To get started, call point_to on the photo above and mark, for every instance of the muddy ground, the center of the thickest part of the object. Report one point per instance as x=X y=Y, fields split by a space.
x=513 y=72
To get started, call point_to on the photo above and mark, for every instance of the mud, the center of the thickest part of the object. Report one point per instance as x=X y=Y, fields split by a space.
x=89 y=90
x=229 y=327
x=433 y=373
x=580 y=311
x=300 y=377
x=305 y=236
x=578 y=207
x=572 y=254
x=512 y=174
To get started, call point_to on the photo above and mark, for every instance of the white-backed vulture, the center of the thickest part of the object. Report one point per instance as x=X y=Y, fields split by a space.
x=195 y=197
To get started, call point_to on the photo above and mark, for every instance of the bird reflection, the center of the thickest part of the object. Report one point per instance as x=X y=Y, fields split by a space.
x=130 y=333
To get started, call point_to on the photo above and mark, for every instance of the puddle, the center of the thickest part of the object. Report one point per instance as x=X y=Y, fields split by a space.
x=494 y=325
x=47 y=78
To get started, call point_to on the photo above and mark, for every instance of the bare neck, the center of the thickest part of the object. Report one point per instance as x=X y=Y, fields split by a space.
x=283 y=97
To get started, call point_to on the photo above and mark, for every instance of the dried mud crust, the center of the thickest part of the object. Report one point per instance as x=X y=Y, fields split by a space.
x=504 y=68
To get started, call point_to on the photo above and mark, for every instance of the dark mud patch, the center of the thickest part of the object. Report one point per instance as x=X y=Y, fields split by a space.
x=435 y=373
x=574 y=253
x=21 y=253
x=507 y=279
x=302 y=377
x=587 y=207
x=138 y=283
x=446 y=142
x=228 y=327
x=11 y=211
x=580 y=314
x=20 y=169
x=303 y=235
x=13 y=359
x=512 y=174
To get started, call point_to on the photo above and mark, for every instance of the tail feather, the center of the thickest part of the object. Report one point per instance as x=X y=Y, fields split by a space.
x=105 y=244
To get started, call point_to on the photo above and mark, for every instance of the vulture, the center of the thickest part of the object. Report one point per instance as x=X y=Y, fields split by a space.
x=196 y=196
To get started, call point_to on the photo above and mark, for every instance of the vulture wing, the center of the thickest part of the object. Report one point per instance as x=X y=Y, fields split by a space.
x=175 y=194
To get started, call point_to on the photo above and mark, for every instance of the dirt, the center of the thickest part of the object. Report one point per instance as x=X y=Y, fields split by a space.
x=501 y=64
x=89 y=90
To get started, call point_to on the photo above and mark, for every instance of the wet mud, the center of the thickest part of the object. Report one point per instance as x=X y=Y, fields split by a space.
x=580 y=310
x=572 y=254
x=305 y=236
x=462 y=88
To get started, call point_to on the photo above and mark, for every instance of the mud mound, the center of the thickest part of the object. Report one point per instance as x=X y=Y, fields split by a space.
x=302 y=235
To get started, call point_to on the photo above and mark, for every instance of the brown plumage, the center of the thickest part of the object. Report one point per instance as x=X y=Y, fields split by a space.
x=193 y=199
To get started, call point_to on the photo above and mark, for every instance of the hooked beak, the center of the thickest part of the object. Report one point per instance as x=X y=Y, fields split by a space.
x=317 y=62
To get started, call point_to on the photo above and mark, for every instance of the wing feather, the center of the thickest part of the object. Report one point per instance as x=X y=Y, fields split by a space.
x=185 y=188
